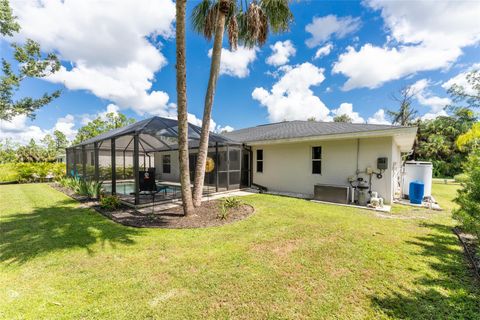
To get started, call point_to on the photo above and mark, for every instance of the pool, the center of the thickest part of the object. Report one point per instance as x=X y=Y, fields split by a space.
x=128 y=188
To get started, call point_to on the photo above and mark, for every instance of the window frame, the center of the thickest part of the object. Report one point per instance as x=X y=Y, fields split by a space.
x=259 y=161
x=316 y=160
x=167 y=164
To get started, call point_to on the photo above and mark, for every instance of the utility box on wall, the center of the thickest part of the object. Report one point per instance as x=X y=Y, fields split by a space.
x=382 y=163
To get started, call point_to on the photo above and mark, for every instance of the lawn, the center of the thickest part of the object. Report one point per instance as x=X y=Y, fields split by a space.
x=291 y=259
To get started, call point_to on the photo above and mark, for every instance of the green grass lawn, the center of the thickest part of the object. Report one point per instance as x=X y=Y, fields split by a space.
x=291 y=259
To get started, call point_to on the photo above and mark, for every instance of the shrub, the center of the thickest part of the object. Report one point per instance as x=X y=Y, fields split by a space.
x=31 y=171
x=468 y=197
x=90 y=189
x=462 y=177
x=226 y=204
x=8 y=172
x=110 y=202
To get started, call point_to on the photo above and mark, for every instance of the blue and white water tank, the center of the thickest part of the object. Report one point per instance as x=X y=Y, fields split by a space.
x=417 y=171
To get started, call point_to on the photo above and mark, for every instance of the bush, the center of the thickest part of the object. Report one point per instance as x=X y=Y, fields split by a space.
x=462 y=177
x=8 y=172
x=226 y=204
x=90 y=189
x=31 y=171
x=468 y=197
x=110 y=202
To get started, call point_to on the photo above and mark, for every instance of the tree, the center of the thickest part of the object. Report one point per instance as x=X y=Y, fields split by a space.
x=61 y=141
x=471 y=94
x=30 y=64
x=405 y=114
x=8 y=151
x=437 y=141
x=100 y=125
x=343 y=118
x=248 y=23
x=182 y=114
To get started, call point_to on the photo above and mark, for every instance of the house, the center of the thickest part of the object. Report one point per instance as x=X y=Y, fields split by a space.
x=293 y=156
x=290 y=157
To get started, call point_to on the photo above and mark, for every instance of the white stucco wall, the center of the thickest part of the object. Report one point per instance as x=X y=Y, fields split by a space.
x=288 y=167
x=174 y=174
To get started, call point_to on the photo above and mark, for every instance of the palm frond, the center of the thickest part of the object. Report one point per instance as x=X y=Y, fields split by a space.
x=277 y=13
x=203 y=19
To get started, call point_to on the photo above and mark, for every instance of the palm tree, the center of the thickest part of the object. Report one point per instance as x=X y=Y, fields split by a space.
x=247 y=22
x=182 y=108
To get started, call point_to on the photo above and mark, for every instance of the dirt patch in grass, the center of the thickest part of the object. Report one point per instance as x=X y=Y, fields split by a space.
x=205 y=216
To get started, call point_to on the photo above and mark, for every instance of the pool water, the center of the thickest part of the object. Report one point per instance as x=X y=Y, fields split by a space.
x=128 y=187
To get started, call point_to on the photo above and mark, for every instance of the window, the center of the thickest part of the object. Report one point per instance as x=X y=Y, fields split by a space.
x=92 y=158
x=166 y=163
x=317 y=160
x=259 y=160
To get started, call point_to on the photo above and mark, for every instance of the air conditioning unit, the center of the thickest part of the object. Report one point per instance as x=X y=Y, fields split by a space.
x=331 y=193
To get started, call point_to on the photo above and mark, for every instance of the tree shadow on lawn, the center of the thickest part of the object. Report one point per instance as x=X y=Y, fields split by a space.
x=449 y=294
x=24 y=236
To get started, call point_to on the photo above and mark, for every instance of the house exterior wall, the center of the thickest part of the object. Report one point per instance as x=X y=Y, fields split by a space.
x=174 y=174
x=288 y=167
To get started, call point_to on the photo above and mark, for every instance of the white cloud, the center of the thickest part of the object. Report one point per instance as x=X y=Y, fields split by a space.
x=281 y=53
x=106 y=44
x=323 y=29
x=461 y=80
x=20 y=130
x=214 y=127
x=424 y=35
x=425 y=97
x=235 y=63
x=291 y=97
x=378 y=118
x=323 y=51
x=87 y=117
x=347 y=108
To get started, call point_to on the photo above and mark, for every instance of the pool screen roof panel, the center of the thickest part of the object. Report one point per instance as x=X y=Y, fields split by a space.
x=155 y=134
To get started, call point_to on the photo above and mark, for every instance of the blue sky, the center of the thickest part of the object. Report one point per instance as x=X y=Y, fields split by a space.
x=120 y=55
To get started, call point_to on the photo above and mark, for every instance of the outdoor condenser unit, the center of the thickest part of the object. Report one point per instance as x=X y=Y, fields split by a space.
x=331 y=193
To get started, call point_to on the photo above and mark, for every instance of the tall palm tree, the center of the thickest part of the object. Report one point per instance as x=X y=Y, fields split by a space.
x=247 y=22
x=182 y=108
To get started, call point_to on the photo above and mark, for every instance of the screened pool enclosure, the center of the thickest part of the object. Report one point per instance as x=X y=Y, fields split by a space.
x=126 y=159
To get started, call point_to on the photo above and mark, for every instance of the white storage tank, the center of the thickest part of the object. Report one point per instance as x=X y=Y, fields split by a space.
x=417 y=171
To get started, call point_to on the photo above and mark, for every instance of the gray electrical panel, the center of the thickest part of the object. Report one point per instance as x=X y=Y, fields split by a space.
x=382 y=163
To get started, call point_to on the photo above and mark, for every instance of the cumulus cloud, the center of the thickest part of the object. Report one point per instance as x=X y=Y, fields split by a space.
x=105 y=44
x=20 y=130
x=235 y=63
x=291 y=97
x=347 y=109
x=323 y=51
x=214 y=127
x=281 y=53
x=323 y=29
x=461 y=80
x=421 y=37
x=378 y=118
x=425 y=97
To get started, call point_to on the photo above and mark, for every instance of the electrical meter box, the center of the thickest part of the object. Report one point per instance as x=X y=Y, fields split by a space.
x=382 y=163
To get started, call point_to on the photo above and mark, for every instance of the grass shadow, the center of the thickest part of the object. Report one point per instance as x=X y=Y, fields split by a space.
x=450 y=293
x=24 y=236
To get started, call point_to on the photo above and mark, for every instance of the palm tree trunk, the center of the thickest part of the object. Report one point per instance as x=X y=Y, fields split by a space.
x=207 y=111
x=182 y=108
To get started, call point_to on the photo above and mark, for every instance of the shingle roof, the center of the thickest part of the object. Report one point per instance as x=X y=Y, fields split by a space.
x=301 y=129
